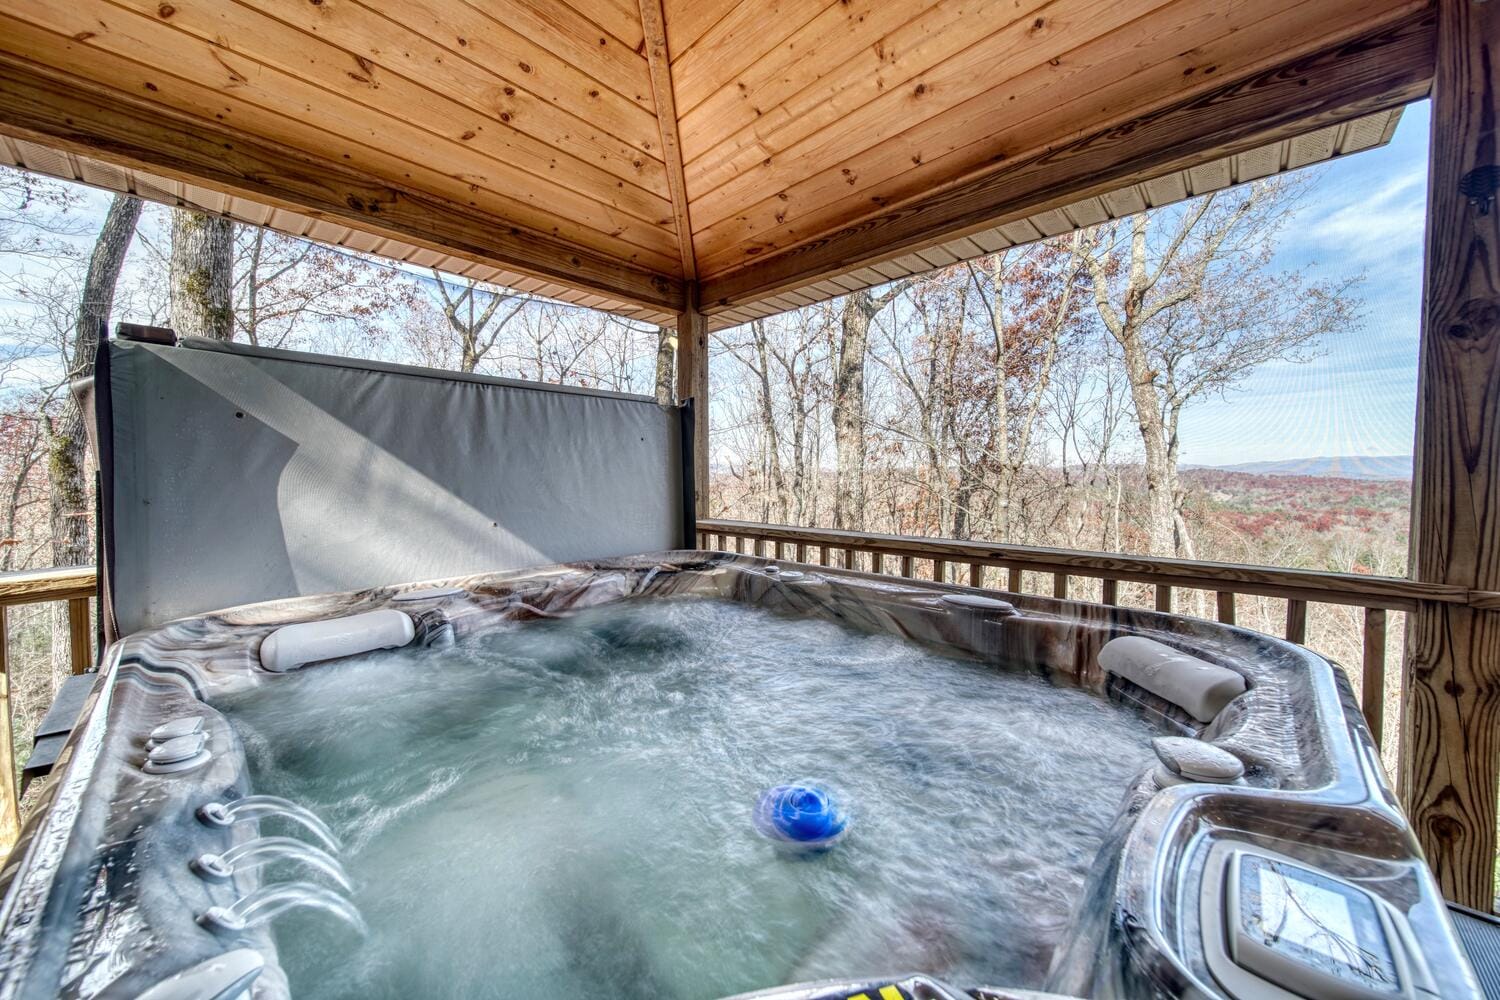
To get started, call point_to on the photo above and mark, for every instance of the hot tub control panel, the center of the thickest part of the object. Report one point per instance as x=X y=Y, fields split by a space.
x=1276 y=928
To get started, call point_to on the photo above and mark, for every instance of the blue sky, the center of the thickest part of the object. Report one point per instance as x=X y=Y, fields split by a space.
x=1362 y=215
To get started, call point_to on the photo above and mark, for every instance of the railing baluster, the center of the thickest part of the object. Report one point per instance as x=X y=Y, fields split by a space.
x=825 y=555
x=1372 y=683
x=976 y=574
x=877 y=561
x=1225 y=600
x=10 y=803
x=760 y=547
x=1164 y=597
x=907 y=569
x=1109 y=591
x=848 y=558
x=1060 y=586
x=802 y=552
x=940 y=570
x=1013 y=579
x=1296 y=621
x=80 y=635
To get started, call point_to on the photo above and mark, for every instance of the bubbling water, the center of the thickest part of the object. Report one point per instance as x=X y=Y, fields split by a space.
x=563 y=808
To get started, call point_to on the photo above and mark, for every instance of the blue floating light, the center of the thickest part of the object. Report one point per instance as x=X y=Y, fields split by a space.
x=803 y=816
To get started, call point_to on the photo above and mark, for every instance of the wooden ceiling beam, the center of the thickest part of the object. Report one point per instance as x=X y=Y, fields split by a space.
x=118 y=128
x=653 y=23
x=1386 y=68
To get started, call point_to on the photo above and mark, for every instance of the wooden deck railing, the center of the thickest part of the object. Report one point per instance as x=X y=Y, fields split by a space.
x=75 y=585
x=970 y=562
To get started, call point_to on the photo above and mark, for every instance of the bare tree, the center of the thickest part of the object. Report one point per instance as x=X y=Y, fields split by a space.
x=471 y=316
x=36 y=217
x=201 y=275
x=67 y=441
x=21 y=449
x=860 y=309
x=287 y=289
x=666 y=350
x=1043 y=278
x=1195 y=309
x=67 y=446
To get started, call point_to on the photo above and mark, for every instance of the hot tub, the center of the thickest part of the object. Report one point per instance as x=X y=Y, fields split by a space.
x=548 y=791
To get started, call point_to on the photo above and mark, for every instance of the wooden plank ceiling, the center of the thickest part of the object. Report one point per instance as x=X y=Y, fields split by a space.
x=619 y=148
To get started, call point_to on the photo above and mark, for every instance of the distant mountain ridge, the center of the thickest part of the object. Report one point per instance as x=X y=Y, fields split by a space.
x=1331 y=467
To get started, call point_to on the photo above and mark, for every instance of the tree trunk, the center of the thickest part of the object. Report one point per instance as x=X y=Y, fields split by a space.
x=1000 y=461
x=799 y=453
x=769 y=432
x=67 y=451
x=1126 y=326
x=1161 y=474
x=970 y=478
x=849 y=411
x=67 y=444
x=665 y=352
x=202 y=275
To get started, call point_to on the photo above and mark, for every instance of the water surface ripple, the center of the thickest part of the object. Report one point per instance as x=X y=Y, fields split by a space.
x=562 y=808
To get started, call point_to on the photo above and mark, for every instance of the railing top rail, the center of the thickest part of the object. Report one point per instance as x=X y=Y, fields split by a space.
x=65 y=583
x=32 y=586
x=1313 y=585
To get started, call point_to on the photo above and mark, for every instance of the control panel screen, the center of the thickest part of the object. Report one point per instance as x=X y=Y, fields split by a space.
x=1317 y=921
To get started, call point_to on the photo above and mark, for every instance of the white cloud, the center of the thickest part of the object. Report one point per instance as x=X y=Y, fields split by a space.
x=1365 y=226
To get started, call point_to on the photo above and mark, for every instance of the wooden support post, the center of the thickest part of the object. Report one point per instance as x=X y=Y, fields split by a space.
x=1013 y=579
x=940 y=570
x=802 y=552
x=10 y=805
x=976 y=574
x=877 y=561
x=1296 y=621
x=692 y=383
x=825 y=555
x=1060 y=586
x=848 y=558
x=1163 y=597
x=1226 y=606
x=907 y=570
x=1450 y=732
x=1109 y=591
x=1372 y=677
x=80 y=635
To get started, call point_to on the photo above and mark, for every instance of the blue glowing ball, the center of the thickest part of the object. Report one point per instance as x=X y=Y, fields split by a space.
x=806 y=815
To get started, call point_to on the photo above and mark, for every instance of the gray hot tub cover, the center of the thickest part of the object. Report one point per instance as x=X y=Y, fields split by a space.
x=234 y=474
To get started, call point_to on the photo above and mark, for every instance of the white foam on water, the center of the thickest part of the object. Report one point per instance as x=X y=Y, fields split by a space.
x=563 y=808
